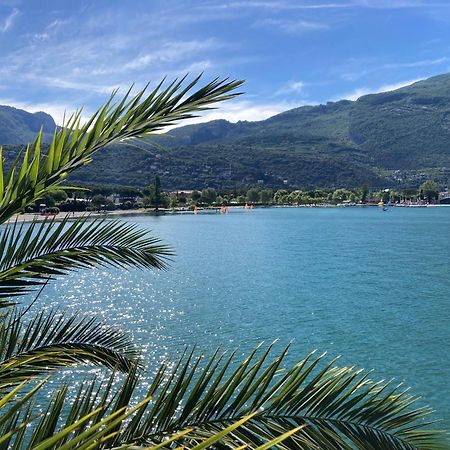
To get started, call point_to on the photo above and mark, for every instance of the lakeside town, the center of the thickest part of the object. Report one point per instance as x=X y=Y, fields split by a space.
x=153 y=198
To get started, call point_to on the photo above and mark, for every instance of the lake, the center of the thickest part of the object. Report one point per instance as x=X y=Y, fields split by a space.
x=369 y=285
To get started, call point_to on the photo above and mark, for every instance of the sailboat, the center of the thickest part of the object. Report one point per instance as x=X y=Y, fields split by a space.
x=386 y=205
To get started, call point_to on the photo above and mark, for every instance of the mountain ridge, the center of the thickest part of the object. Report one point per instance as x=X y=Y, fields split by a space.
x=392 y=138
x=20 y=127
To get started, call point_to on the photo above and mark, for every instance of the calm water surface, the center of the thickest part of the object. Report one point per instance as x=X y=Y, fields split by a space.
x=370 y=286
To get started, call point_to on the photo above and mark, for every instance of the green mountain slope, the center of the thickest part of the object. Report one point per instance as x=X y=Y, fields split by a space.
x=396 y=138
x=20 y=127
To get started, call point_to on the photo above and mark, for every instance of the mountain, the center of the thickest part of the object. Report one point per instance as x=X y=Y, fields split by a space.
x=20 y=127
x=397 y=138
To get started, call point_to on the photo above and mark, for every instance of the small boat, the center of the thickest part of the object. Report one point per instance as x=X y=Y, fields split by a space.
x=386 y=205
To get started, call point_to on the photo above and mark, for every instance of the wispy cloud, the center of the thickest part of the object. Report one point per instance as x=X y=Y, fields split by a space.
x=171 y=52
x=8 y=22
x=79 y=86
x=292 y=87
x=50 y=30
x=375 y=66
x=291 y=26
x=396 y=4
x=283 y=6
x=420 y=63
x=299 y=5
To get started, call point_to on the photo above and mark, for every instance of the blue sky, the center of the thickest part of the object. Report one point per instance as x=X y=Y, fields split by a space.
x=59 y=55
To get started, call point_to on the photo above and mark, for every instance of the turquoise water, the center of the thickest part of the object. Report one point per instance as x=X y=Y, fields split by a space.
x=370 y=286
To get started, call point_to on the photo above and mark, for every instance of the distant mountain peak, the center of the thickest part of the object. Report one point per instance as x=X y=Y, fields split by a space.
x=20 y=127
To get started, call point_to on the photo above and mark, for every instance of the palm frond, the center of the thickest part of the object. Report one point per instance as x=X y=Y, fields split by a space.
x=337 y=408
x=51 y=341
x=30 y=254
x=310 y=405
x=93 y=422
x=73 y=144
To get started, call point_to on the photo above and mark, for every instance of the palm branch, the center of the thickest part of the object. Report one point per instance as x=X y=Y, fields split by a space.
x=310 y=405
x=30 y=254
x=51 y=341
x=74 y=144
x=88 y=426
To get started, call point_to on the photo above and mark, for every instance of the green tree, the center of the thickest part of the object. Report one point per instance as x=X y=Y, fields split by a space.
x=99 y=201
x=340 y=195
x=102 y=190
x=164 y=200
x=174 y=202
x=52 y=198
x=209 y=196
x=240 y=199
x=266 y=196
x=196 y=196
x=253 y=195
x=154 y=194
x=364 y=193
x=281 y=196
x=216 y=402
x=430 y=191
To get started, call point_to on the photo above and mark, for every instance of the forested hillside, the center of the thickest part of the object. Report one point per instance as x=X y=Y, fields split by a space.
x=397 y=138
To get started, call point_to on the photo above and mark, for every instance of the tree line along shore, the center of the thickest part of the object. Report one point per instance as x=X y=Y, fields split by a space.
x=154 y=197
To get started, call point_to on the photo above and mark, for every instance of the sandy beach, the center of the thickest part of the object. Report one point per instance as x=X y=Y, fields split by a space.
x=36 y=217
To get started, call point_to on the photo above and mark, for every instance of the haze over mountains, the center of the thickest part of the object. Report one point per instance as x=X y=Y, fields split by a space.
x=396 y=138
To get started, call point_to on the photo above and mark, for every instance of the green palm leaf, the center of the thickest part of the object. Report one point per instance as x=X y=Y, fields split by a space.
x=337 y=408
x=31 y=254
x=98 y=426
x=310 y=405
x=73 y=144
x=93 y=422
x=50 y=341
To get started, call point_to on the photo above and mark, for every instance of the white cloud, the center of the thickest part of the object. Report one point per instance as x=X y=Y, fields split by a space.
x=293 y=87
x=359 y=92
x=355 y=94
x=94 y=65
x=171 y=52
x=394 y=86
x=232 y=111
x=237 y=110
x=9 y=21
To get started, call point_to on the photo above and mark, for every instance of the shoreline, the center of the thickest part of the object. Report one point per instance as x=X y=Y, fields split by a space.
x=36 y=217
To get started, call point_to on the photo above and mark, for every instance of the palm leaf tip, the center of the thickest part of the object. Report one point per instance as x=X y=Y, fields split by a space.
x=44 y=250
x=74 y=144
x=51 y=341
